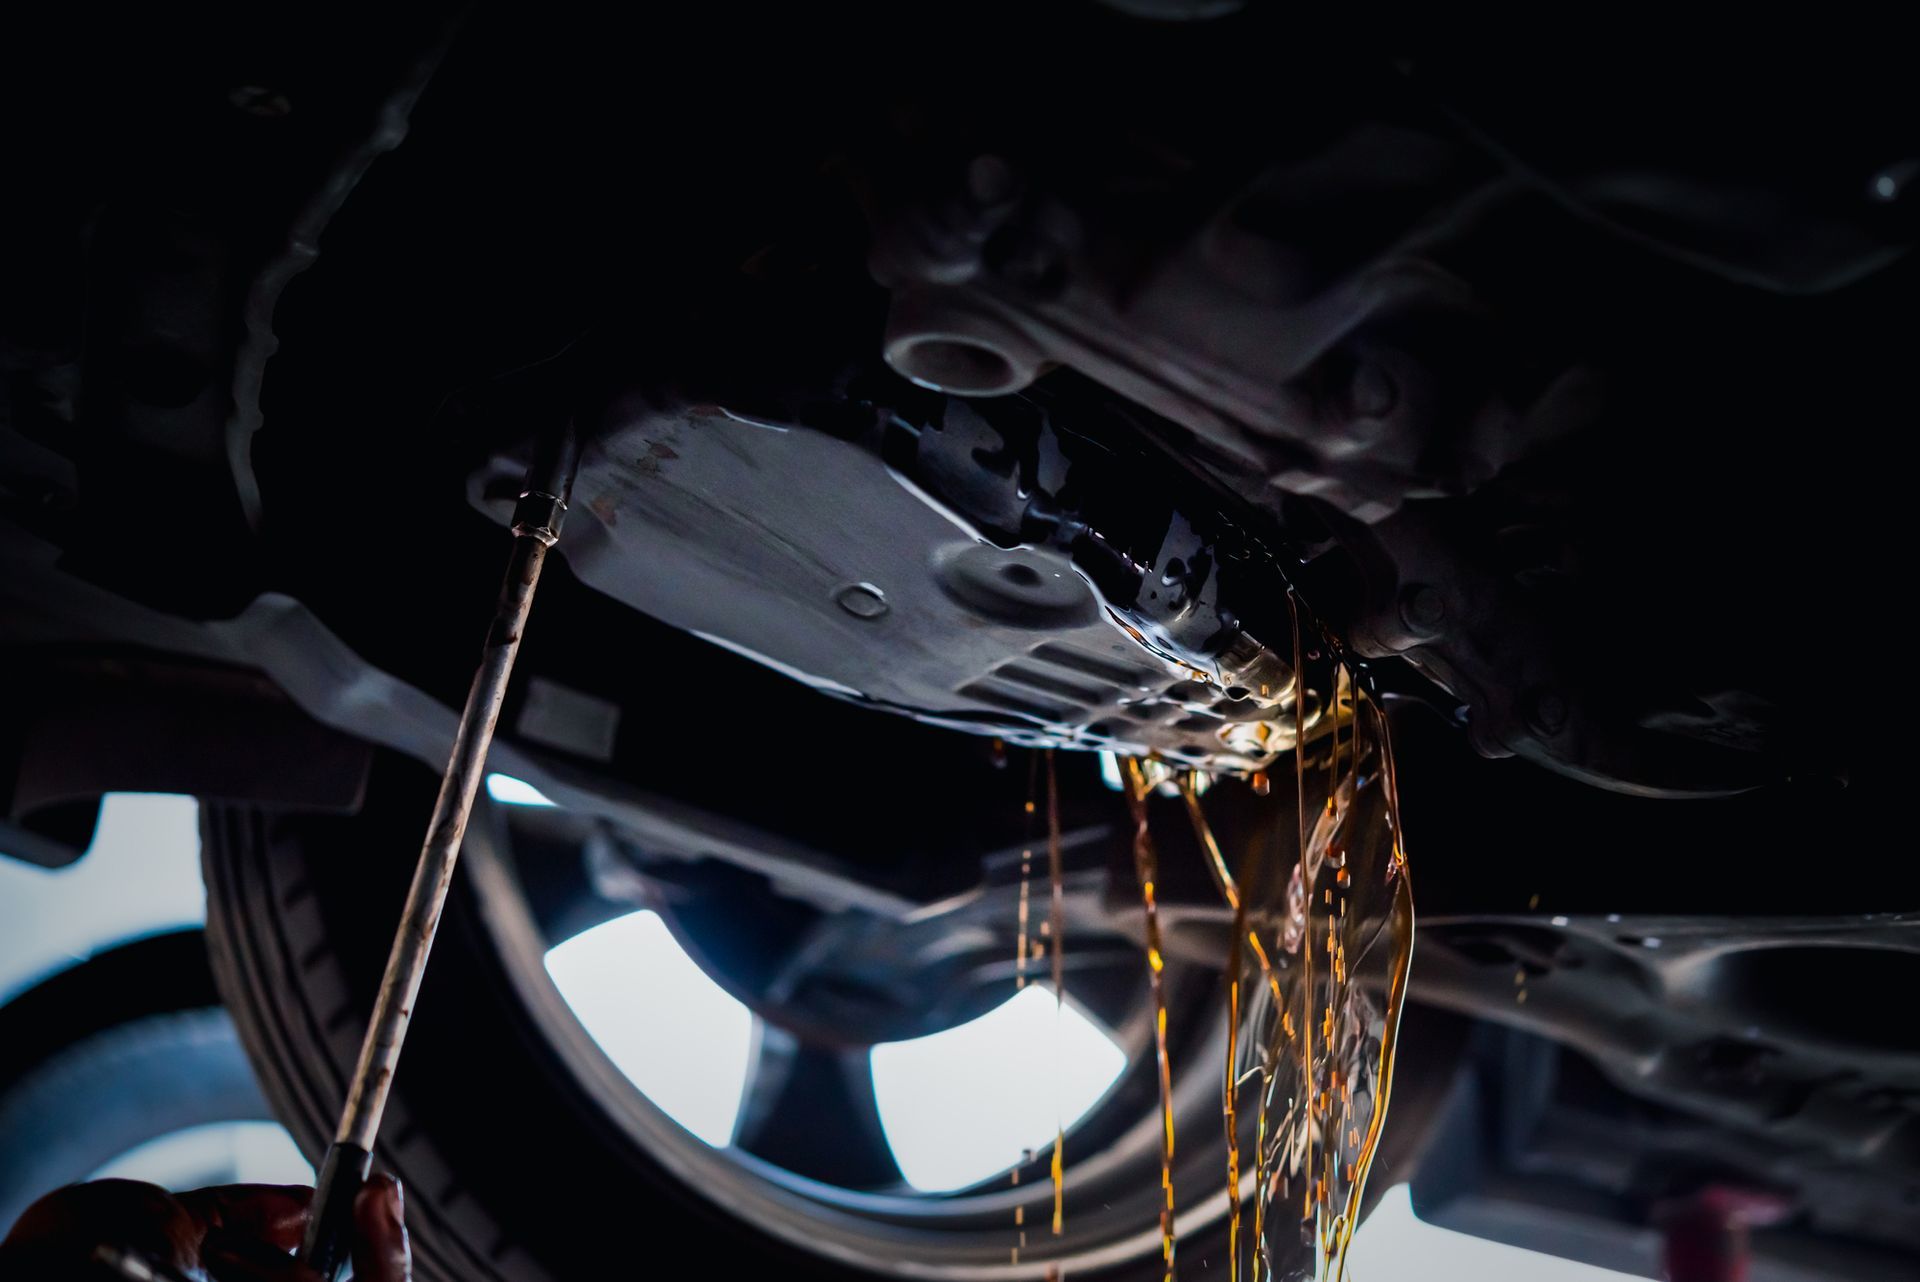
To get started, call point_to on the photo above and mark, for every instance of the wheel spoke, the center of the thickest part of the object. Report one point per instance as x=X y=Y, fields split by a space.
x=810 y=1109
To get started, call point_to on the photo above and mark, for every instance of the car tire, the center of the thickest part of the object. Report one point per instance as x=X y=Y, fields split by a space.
x=120 y=1050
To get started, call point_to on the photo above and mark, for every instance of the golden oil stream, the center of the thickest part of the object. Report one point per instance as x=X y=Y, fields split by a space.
x=1230 y=1087
x=1020 y=950
x=1025 y=950
x=1146 y=866
x=1248 y=937
x=1057 y=951
x=1332 y=944
x=1301 y=1099
x=1020 y=955
x=1327 y=1049
x=1224 y=879
x=1337 y=1235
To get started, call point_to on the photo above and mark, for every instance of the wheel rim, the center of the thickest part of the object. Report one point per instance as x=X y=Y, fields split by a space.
x=1113 y=1192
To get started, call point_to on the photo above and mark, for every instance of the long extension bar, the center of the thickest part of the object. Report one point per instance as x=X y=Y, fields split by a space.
x=536 y=528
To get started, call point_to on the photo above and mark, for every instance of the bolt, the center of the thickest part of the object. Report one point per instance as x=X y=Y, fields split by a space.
x=1423 y=609
x=1893 y=182
x=991 y=181
x=1547 y=711
x=862 y=601
x=1026 y=258
x=1373 y=392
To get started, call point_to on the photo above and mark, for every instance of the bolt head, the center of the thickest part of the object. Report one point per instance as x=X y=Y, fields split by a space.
x=863 y=601
x=1422 y=608
x=1374 y=392
x=991 y=181
x=1894 y=183
x=1547 y=711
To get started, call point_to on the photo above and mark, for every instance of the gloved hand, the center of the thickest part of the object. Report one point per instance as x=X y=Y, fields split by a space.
x=232 y=1233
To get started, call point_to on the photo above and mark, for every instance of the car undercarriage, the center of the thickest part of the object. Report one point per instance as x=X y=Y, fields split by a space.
x=961 y=387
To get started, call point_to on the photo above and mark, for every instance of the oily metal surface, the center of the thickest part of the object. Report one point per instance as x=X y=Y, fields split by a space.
x=814 y=555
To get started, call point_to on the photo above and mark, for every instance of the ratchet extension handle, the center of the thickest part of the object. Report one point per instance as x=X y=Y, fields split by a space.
x=536 y=528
